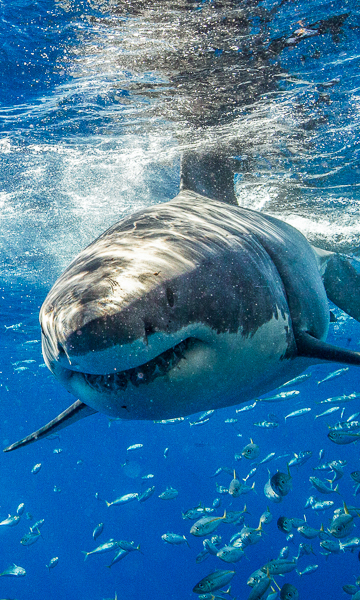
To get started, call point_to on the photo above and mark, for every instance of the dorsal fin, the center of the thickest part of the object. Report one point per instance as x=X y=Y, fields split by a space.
x=210 y=174
x=74 y=413
x=309 y=346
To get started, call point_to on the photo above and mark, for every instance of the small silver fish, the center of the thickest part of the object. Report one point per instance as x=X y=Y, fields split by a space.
x=328 y=412
x=266 y=517
x=198 y=423
x=206 y=415
x=134 y=447
x=267 y=458
x=170 y=421
x=332 y=546
x=355 y=475
x=203 y=555
x=350 y=589
x=30 y=538
x=221 y=489
x=307 y=570
x=280 y=566
x=305 y=550
x=334 y=374
x=52 y=563
x=266 y=424
x=122 y=499
x=300 y=459
x=270 y=493
x=128 y=546
x=235 y=487
x=230 y=554
x=106 y=547
x=350 y=544
x=248 y=407
x=296 y=380
x=322 y=487
x=251 y=451
x=213 y=581
x=120 y=554
x=343 y=437
x=281 y=483
x=13 y=571
x=340 y=399
x=288 y=592
x=174 y=539
x=206 y=525
x=341 y=525
x=37 y=525
x=145 y=495
x=169 y=494
x=98 y=530
x=281 y=396
x=20 y=509
x=322 y=505
x=251 y=474
x=297 y=413
x=212 y=545
x=308 y=532
x=11 y=521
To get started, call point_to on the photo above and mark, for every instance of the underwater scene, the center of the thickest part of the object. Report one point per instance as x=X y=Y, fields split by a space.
x=108 y=108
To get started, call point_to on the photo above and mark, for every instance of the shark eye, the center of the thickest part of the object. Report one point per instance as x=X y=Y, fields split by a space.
x=170 y=297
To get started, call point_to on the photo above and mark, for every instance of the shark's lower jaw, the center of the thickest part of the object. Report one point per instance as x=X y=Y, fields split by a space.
x=143 y=374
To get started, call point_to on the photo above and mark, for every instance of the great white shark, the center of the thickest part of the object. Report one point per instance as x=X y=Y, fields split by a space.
x=190 y=305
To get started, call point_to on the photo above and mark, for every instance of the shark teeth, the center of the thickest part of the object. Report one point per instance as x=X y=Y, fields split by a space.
x=143 y=374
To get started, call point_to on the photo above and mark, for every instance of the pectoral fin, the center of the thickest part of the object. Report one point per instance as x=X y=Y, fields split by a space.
x=74 y=413
x=309 y=346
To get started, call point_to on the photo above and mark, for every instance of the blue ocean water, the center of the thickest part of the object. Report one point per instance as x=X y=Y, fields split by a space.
x=97 y=102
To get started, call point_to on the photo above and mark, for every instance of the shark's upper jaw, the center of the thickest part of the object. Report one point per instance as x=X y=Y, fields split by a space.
x=143 y=374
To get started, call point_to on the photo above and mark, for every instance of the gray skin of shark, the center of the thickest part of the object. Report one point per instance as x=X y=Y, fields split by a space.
x=186 y=306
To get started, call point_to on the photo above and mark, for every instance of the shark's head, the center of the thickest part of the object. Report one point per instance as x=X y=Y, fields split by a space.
x=144 y=317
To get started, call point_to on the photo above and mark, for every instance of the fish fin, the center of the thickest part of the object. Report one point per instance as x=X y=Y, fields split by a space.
x=74 y=413
x=278 y=587
x=208 y=173
x=309 y=346
x=86 y=554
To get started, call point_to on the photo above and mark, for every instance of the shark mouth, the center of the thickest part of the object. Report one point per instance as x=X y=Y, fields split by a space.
x=143 y=374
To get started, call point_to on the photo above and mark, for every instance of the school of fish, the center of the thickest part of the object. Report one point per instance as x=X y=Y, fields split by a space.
x=223 y=529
